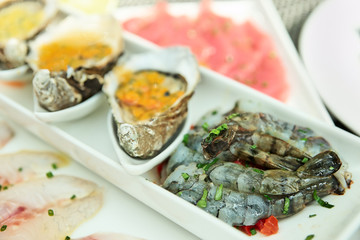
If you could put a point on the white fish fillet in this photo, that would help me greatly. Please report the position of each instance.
(25, 165)
(24, 207)
(108, 236)
(6, 133)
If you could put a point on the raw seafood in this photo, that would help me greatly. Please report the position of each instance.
(52, 209)
(237, 188)
(69, 68)
(25, 165)
(239, 50)
(173, 74)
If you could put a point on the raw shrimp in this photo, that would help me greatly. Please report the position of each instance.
(264, 140)
(24, 165)
(276, 182)
(47, 208)
(6, 133)
(238, 208)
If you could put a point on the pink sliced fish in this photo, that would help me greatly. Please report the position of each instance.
(108, 236)
(47, 208)
(6, 133)
(25, 165)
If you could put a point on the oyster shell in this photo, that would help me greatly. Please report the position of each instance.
(70, 59)
(21, 21)
(144, 137)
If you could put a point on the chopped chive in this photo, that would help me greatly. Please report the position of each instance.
(205, 126)
(214, 112)
(267, 197)
(49, 174)
(258, 170)
(219, 193)
(51, 212)
(20, 169)
(305, 159)
(186, 139)
(202, 202)
(304, 139)
(0, 187)
(331, 168)
(253, 146)
(185, 176)
(67, 238)
(321, 202)
(302, 131)
(215, 132)
(286, 205)
(5, 187)
(207, 166)
(3, 228)
(309, 237)
(54, 166)
(232, 116)
(312, 215)
(73, 197)
(253, 189)
(179, 194)
(253, 231)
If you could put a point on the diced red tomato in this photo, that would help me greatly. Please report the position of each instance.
(268, 226)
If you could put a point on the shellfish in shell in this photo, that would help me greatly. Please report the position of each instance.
(20, 22)
(70, 59)
(148, 94)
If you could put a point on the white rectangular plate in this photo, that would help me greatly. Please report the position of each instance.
(87, 141)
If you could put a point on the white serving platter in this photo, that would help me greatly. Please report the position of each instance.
(87, 141)
(329, 44)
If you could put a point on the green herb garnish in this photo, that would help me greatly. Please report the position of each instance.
(216, 131)
(3, 228)
(186, 139)
(0, 187)
(185, 176)
(253, 146)
(321, 202)
(219, 193)
(67, 238)
(73, 197)
(49, 174)
(304, 139)
(309, 237)
(305, 159)
(5, 188)
(54, 166)
(286, 205)
(253, 231)
(267, 197)
(258, 170)
(232, 116)
(205, 126)
(312, 215)
(179, 194)
(202, 202)
(51, 212)
(302, 131)
(20, 169)
(214, 112)
(331, 168)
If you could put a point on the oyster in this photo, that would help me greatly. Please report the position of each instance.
(70, 59)
(21, 21)
(148, 94)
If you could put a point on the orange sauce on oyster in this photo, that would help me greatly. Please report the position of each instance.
(145, 94)
(18, 20)
(72, 51)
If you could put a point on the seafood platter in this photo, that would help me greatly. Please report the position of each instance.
(216, 157)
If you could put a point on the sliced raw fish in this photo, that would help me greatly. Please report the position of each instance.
(47, 208)
(24, 165)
